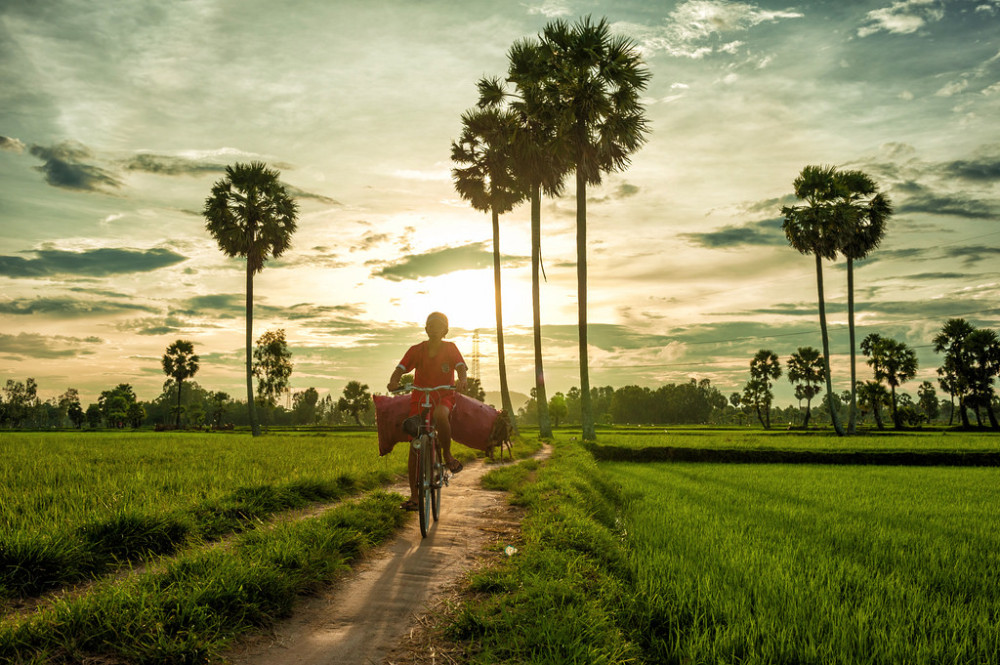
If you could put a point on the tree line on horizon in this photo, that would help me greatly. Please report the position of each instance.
(970, 364)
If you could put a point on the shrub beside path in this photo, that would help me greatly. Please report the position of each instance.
(376, 606)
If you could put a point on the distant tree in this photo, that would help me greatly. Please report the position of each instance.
(76, 414)
(757, 397)
(304, 406)
(893, 362)
(179, 363)
(94, 416)
(558, 409)
(955, 371)
(928, 400)
(115, 405)
(484, 176)
(873, 396)
(22, 400)
(862, 213)
(764, 368)
(355, 400)
(251, 215)
(474, 389)
(134, 415)
(272, 365)
(806, 371)
(218, 408)
(984, 365)
(813, 229)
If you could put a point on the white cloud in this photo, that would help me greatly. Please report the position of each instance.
(550, 8)
(903, 17)
(952, 88)
(11, 144)
(696, 21)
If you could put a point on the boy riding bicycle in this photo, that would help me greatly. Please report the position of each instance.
(435, 363)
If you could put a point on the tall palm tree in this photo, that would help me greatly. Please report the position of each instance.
(812, 229)
(484, 177)
(594, 81)
(179, 363)
(538, 166)
(250, 215)
(984, 355)
(807, 371)
(862, 212)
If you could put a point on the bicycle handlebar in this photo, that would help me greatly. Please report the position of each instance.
(411, 387)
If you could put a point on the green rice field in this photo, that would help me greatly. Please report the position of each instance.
(806, 564)
(74, 505)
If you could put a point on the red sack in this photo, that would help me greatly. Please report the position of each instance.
(390, 412)
(472, 422)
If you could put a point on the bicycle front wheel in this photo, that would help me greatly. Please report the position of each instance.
(437, 482)
(425, 495)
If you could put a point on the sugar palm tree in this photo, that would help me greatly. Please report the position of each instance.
(862, 213)
(984, 355)
(594, 81)
(764, 368)
(484, 177)
(179, 363)
(812, 229)
(807, 371)
(538, 167)
(250, 215)
(952, 341)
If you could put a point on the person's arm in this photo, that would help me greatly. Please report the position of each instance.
(462, 370)
(396, 376)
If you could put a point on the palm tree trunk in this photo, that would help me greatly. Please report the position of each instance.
(826, 347)
(853, 414)
(544, 426)
(178, 422)
(805, 424)
(254, 427)
(895, 410)
(504, 389)
(586, 406)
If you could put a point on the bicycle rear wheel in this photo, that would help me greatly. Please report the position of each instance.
(425, 467)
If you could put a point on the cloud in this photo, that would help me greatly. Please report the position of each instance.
(550, 9)
(64, 167)
(101, 262)
(692, 27)
(171, 165)
(33, 345)
(764, 233)
(903, 17)
(985, 166)
(69, 307)
(441, 261)
(921, 199)
(973, 253)
(11, 144)
(297, 193)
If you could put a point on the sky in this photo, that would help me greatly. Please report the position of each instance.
(117, 116)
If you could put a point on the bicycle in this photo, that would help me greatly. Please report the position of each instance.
(432, 472)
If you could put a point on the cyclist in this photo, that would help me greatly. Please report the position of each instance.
(435, 363)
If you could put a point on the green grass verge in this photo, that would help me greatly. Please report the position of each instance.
(192, 610)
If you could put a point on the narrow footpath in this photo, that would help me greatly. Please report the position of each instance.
(366, 615)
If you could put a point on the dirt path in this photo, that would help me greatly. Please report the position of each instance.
(365, 616)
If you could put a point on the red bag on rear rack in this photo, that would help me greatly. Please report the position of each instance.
(472, 422)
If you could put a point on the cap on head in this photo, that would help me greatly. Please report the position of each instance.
(439, 316)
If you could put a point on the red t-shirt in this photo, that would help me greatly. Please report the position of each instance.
(438, 370)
